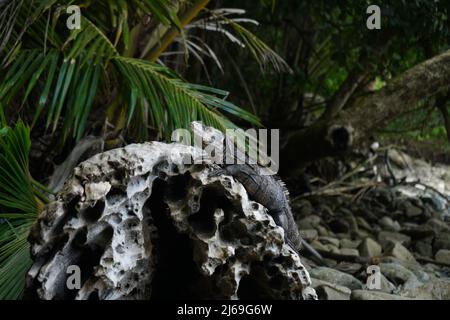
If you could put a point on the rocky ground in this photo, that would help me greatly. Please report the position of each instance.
(404, 232)
(141, 224)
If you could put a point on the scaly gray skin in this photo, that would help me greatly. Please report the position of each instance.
(267, 190)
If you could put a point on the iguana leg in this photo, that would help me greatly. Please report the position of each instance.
(280, 219)
(217, 172)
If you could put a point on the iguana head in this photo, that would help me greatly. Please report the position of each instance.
(207, 136)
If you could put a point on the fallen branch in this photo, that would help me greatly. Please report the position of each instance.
(428, 260)
(347, 258)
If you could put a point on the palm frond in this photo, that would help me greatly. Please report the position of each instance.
(20, 203)
(163, 10)
(222, 21)
(65, 82)
(174, 103)
(66, 79)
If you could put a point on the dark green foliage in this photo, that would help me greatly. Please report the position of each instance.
(20, 201)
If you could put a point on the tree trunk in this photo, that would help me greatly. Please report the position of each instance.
(351, 126)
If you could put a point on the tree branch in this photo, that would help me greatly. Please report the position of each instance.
(352, 126)
(186, 17)
(441, 104)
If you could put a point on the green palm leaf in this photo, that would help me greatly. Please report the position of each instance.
(20, 202)
(174, 103)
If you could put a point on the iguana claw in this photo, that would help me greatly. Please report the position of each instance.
(217, 172)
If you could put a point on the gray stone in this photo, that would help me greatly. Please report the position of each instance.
(396, 250)
(309, 235)
(341, 236)
(339, 225)
(326, 292)
(330, 291)
(309, 222)
(438, 226)
(390, 225)
(109, 214)
(369, 248)
(322, 231)
(424, 249)
(332, 248)
(400, 159)
(396, 272)
(319, 246)
(336, 277)
(412, 211)
(374, 295)
(363, 223)
(348, 267)
(443, 256)
(386, 285)
(442, 241)
(384, 237)
(353, 224)
(303, 207)
(349, 252)
(361, 234)
(329, 240)
(414, 267)
(438, 289)
(418, 232)
(350, 244)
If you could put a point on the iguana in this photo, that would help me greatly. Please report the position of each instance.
(262, 187)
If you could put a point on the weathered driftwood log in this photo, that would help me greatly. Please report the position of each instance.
(139, 223)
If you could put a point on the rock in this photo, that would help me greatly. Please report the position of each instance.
(350, 244)
(362, 234)
(341, 236)
(309, 222)
(414, 267)
(309, 235)
(438, 226)
(319, 246)
(417, 231)
(362, 223)
(140, 224)
(303, 208)
(442, 241)
(436, 201)
(412, 211)
(351, 220)
(374, 295)
(329, 240)
(329, 291)
(326, 210)
(332, 292)
(339, 226)
(443, 256)
(322, 231)
(383, 195)
(396, 273)
(349, 252)
(400, 159)
(332, 248)
(390, 225)
(386, 285)
(336, 277)
(369, 248)
(384, 237)
(424, 249)
(438, 289)
(348, 267)
(396, 250)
